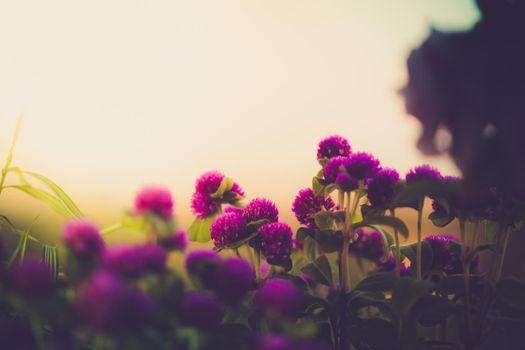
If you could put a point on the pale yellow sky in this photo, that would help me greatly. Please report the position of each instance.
(118, 94)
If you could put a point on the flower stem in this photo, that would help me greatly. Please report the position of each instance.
(9, 159)
(398, 247)
(257, 264)
(466, 275)
(418, 248)
(503, 253)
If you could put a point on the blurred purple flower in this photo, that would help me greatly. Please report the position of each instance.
(202, 264)
(201, 311)
(227, 229)
(381, 187)
(346, 183)
(423, 173)
(156, 200)
(83, 239)
(233, 278)
(368, 245)
(177, 241)
(361, 165)
(31, 280)
(306, 205)
(278, 298)
(333, 146)
(445, 257)
(390, 266)
(134, 261)
(334, 167)
(275, 242)
(260, 209)
(275, 343)
(232, 209)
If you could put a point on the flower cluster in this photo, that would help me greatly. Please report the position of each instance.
(209, 195)
(306, 204)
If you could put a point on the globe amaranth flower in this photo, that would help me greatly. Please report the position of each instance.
(232, 209)
(278, 298)
(83, 239)
(275, 242)
(368, 245)
(261, 209)
(333, 146)
(306, 205)
(381, 187)
(334, 167)
(423, 173)
(346, 183)
(233, 278)
(273, 342)
(227, 229)
(154, 200)
(31, 280)
(389, 265)
(445, 257)
(361, 165)
(204, 203)
(177, 241)
(135, 261)
(201, 311)
(106, 303)
(201, 264)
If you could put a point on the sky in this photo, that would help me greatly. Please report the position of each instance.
(119, 94)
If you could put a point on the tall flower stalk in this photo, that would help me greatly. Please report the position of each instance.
(419, 238)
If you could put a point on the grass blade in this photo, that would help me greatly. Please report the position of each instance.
(44, 196)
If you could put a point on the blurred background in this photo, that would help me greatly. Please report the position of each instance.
(121, 94)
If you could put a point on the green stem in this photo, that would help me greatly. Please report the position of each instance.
(9, 159)
(418, 248)
(398, 247)
(466, 276)
(258, 264)
(503, 253)
(110, 229)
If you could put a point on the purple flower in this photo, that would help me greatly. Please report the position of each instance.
(199, 310)
(361, 165)
(275, 242)
(227, 229)
(31, 280)
(153, 257)
(382, 186)
(203, 202)
(423, 173)
(445, 258)
(306, 205)
(278, 298)
(334, 167)
(156, 200)
(135, 261)
(275, 343)
(232, 209)
(177, 241)
(106, 303)
(261, 209)
(390, 266)
(346, 183)
(233, 279)
(368, 245)
(201, 264)
(83, 239)
(333, 146)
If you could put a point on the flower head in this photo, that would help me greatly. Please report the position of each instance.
(177, 241)
(106, 302)
(83, 239)
(232, 209)
(346, 183)
(201, 264)
(260, 209)
(201, 311)
(390, 266)
(445, 258)
(381, 187)
(334, 167)
(31, 280)
(275, 343)
(227, 228)
(333, 146)
(278, 298)
(368, 245)
(361, 165)
(423, 173)
(155, 200)
(275, 242)
(233, 278)
(135, 261)
(306, 205)
(205, 202)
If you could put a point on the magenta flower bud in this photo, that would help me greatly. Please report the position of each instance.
(83, 239)
(334, 167)
(346, 183)
(390, 266)
(306, 205)
(278, 298)
(333, 146)
(275, 242)
(232, 209)
(445, 258)
(261, 209)
(203, 204)
(423, 173)
(105, 303)
(232, 280)
(199, 310)
(382, 186)
(135, 261)
(275, 343)
(177, 241)
(361, 165)
(154, 200)
(227, 229)
(201, 264)
(153, 257)
(31, 280)
(368, 245)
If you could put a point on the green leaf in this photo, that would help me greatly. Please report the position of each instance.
(329, 189)
(377, 282)
(21, 247)
(406, 293)
(9, 159)
(241, 242)
(50, 258)
(329, 241)
(432, 310)
(480, 248)
(390, 221)
(326, 219)
(319, 270)
(4, 220)
(46, 197)
(427, 256)
(226, 185)
(455, 284)
(410, 195)
(254, 225)
(303, 232)
(199, 230)
(318, 186)
(370, 211)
